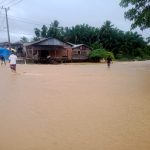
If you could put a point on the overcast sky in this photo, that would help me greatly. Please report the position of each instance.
(25, 15)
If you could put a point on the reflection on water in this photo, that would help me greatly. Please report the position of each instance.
(75, 107)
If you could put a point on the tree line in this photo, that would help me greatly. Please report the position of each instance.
(124, 45)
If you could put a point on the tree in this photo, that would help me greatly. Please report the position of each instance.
(44, 31)
(106, 35)
(24, 39)
(81, 34)
(148, 40)
(96, 45)
(139, 12)
(54, 30)
(37, 33)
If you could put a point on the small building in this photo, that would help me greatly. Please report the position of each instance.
(17, 47)
(80, 52)
(4, 44)
(48, 49)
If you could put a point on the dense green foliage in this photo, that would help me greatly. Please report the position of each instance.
(139, 12)
(124, 45)
(98, 54)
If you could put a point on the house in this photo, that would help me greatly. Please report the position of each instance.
(4, 44)
(18, 47)
(80, 52)
(48, 49)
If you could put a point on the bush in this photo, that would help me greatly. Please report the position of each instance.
(98, 54)
(119, 56)
(138, 58)
(124, 59)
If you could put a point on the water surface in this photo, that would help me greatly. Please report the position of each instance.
(75, 107)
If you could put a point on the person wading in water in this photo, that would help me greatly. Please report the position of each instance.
(12, 61)
(2, 58)
(109, 61)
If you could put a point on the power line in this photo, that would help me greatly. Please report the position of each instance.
(16, 3)
(9, 2)
(18, 33)
(25, 20)
(2, 22)
(22, 33)
(37, 22)
(28, 22)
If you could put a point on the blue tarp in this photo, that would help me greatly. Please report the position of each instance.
(5, 52)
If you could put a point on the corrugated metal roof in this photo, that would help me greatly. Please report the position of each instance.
(47, 41)
(79, 45)
(36, 42)
(70, 43)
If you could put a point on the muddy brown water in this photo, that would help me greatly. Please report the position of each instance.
(75, 107)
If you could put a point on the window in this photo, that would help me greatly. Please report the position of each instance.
(79, 52)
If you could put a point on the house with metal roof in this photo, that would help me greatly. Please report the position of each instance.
(47, 50)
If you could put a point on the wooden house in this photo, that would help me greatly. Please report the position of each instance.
(80, 52)
(46, 48)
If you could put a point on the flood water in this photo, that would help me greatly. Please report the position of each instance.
(75, 107)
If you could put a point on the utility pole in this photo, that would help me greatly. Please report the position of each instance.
(6, 9)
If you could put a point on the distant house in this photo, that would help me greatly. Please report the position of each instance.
(18, 47)
(80, 52)
(4, 44)
(48, 48)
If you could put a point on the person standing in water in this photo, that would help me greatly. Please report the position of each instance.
(12, 61)
(109, 61)
(2, 58)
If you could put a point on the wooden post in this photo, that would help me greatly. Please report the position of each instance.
(32, 53)
(67, 53)
(38, 53)
(25, 49)
(55, 53)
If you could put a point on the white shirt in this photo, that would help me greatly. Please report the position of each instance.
(12, 59)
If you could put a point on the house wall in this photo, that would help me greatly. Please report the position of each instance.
(57, 52)
(80, 53)
(67, 52)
